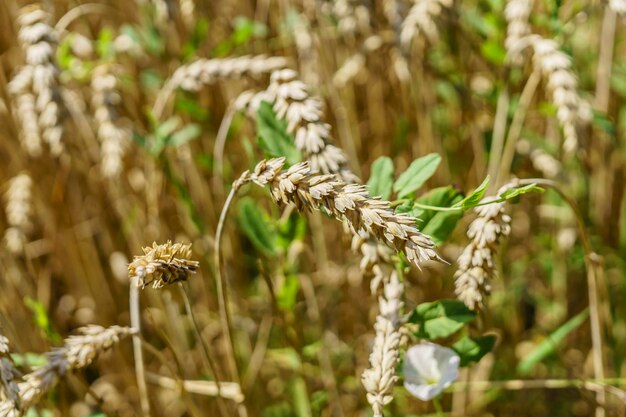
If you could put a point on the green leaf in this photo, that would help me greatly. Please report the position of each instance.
(474, 198)
(254, 224)
(288, 293)
(441, 318)
(184, 135)
(417, 174)
(41, 318)
(549, 345)
(514, 192)
(442, 224)
(29, 359)
(273, 136)
(472, 350)
(381, 178)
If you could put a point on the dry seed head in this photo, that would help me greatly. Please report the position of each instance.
(78, 352)
(163, 265)
(308, 190)
(18, 212)
(380, 378)
(193, 76)
(113, 138)
(476, 263)
(517, 13)
(421, 21)
(35, 87)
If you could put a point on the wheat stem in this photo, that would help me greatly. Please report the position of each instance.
(135, 322)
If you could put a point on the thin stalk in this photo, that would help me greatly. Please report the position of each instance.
(516, 128)
(218, 148)
(205, 349)
(499, 131)
(592, 261)
(605, 60)
(135, 322)
(220, 284)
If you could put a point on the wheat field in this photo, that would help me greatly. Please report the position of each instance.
(312, 208)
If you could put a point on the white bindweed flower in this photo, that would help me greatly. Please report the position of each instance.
(429, 369)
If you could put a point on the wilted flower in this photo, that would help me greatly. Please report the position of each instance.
(429, 369)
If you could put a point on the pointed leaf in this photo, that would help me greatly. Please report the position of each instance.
(416, 175)
(381, 178)
(273, 136)
(441, 318)
(474, 198)
(472, 350)
(254, 224)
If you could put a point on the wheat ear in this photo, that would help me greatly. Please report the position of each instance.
(193, 76)
(78, 352)
(307, 190)
(380, 377)
(113, 138)
(18, 198)
(35, 87)
(476, 264)
(8, 374)
(421, 21)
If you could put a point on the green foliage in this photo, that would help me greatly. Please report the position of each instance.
(473, 349)
(442, 224)
(197, 37)
(381, 178)
(244, 31)
(440, 318)
(548, 346)
(166, 134)
(254, 223)
(474, 198)
(416, 174)
(517, 191)
(273, 136)
(41, 318)
(29, 359)
(287, 294)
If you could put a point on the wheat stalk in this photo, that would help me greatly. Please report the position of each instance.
(18, 209)
(380, 377)
(78, 352)
(35, 87)
(303, 187)
(476, 263)
(113, 138)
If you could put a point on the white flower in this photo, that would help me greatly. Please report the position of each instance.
(429, 369)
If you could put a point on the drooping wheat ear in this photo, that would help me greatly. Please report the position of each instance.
(113, 138)
(476, 263)
(35, 88)
(8, 374)
(193, 76)
(162, 265)
(618, 6)
(556, 68)
(18, 198)
(517, 14)
(78, 352)
(421, 21)
(292, 102)
(380, 377)
(307, 190)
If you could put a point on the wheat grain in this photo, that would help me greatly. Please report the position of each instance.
(35, 87)
(618, 6)
(162, 265)
(375, 259)
(78, 352)
(307, 190)
(380, 378)
(420, 21)
(18, 211)
(113, 138)
(476, 263)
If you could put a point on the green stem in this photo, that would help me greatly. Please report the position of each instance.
(438, 407)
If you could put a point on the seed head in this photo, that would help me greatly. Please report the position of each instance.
(162, 265)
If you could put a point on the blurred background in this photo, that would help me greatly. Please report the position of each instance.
(90, 198)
